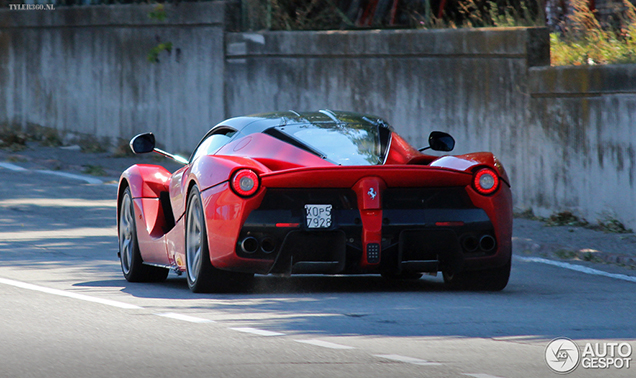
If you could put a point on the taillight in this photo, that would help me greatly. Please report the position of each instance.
(245, 182)
(486, 181)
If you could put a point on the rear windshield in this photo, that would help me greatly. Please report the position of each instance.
(343, 144)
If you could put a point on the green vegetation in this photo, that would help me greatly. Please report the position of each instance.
(122, 150)
(565, 218)
(612, 225)
(12, 139)
(606, 224)
(584, 41)
(581, 39)
(158, 13)
(327, 15)
(153, 54)
(565, 254)
(47, 136)
(94, 170)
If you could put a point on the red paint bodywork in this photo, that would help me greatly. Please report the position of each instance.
(281, 165)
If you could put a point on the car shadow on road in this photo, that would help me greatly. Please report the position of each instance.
(176, 287)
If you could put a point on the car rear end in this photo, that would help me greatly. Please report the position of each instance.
(377, 219)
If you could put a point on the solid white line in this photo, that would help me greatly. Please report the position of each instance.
(255, 331)
(58, 202)
(12, 167)
(480, 375)
(324, 344)
(410, 360)
(62, 293)
(88, 180)
(187, 318)
(58, 234)
(579, 268)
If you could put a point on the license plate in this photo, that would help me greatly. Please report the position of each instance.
(318, 216)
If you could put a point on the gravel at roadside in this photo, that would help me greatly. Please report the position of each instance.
(580, 245)
(102, 165)
(574, 244)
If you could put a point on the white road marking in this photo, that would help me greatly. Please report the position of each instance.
(89, 180)
(57, 202)
(410, 360)
(86, 179)
(480, 375)
(579, 268)
(256, 331)
(187, 318)
(324, 344)
(12, 167)
(62, 293)
(72, 233)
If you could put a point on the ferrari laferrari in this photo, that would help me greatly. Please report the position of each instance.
(321, 192)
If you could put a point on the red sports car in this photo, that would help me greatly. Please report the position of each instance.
(318, 192)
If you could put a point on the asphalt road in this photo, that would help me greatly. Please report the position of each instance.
(68, 312)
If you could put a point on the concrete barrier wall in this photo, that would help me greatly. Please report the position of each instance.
(581, 142)
(462, 81)
(84, 70)
(564, 134)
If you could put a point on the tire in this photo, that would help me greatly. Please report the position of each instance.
(494, 279)
(202, 276)
(132, 264)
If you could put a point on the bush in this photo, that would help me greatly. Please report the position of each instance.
(583, 41)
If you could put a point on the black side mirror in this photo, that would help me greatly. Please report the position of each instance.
(142, 143)
(440, 141)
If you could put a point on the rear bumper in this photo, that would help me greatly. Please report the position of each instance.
(412, 240)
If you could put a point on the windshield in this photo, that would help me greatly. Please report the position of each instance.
(344, 144)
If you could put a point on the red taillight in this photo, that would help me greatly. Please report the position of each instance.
(486, 181)
(245, 182)
(287, 225)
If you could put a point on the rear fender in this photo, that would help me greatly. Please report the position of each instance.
(145, 181)
(498, 207)
(212, 170)
(149, 187)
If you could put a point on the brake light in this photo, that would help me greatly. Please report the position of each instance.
(245, 182)
(486, 181)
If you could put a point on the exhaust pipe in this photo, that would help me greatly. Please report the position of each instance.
(268, 245)
(249, 244)
(487, 243)
(470, 243)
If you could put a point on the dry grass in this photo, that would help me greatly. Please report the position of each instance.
(584, 41)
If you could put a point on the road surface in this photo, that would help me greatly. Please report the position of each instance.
(68, 312)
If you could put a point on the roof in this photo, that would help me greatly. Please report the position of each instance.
(260, 122)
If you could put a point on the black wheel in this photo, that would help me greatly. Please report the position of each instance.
(130, 258)
(202, 276)
(494, 279)
(407, 276)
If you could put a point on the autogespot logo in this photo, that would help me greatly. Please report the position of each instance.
(563, 355)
